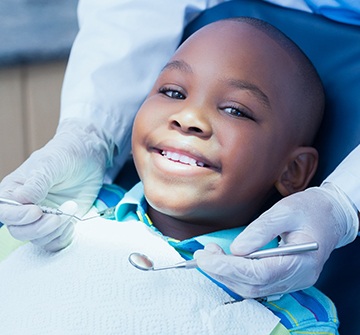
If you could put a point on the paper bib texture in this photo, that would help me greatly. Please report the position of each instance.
(91, 288)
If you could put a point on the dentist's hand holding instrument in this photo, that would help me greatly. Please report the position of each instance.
(298, 218)
(69, 167)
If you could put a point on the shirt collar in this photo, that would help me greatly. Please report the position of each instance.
(134, 206)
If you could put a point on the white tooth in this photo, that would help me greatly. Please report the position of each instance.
(192, 162)
(184, 159)
(175, 156)
(181, 158)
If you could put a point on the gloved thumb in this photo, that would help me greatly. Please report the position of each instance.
(69, 207)
(261, 231)
(26, 189)
(209, 250)
(34, 190)
(60, 232)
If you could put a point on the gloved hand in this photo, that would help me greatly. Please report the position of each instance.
(71, 166)
(323, 214)
(52, 232)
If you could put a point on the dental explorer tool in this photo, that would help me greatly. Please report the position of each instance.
(46, 210)
(108, 213)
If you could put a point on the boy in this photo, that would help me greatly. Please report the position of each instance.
(228, 123)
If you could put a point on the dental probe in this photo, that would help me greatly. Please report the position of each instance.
(45, 210)
(108, 213)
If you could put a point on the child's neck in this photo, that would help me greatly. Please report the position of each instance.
(175, 228)
(180, 229)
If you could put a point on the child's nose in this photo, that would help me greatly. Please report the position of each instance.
(191, 121)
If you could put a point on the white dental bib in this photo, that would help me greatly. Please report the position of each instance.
(91, 288)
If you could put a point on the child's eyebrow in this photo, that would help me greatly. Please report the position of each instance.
(178, 65)
(236, 83)
(244, 85)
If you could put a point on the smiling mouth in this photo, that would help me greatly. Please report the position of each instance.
(181, 158)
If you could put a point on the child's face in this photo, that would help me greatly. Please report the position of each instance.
(214, 133)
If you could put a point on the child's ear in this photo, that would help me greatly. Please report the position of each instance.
(298, 171)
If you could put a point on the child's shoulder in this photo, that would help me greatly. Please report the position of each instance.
(306, 310)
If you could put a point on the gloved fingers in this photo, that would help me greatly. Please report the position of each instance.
(263, 230)
(55, 240)
(311, 215)
(27, 184)
(69, 207)
(252, 278)
(212, 249)
(10, 182)
(33, 190)
(296, 237)
(19, 215)
(209, 250)
(60, 237)
(25, 229)
(38, 229)
(85, 195)
(228, 266)
(223, 270)
(62, 241)
(71, 165)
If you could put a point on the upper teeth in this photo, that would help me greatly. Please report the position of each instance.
(174, 156)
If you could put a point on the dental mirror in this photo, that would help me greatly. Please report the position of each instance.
(143, 262)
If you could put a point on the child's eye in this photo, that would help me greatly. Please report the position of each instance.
(172, 93)
(237, 112)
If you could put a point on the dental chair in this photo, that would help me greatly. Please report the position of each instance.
(334, 49)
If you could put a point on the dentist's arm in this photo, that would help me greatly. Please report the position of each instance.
(327, 214)
(119, 51)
